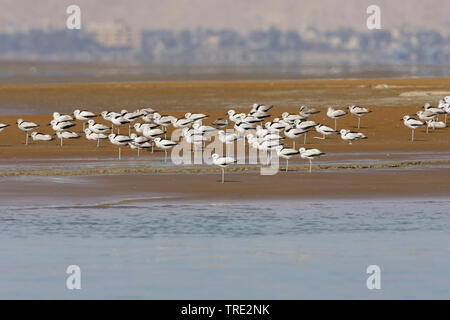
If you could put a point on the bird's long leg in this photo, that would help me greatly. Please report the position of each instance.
(26, 139)
(359, 122)
(118, 130)
(112, 128)
(445, 118)
(412, 135)
(61, 142)
(310, 165)
(119, 154)
(304, 138)
(129, 130)
(427, 127)
(138, 151)
(84, 125)
(323, 136)
(293, 144)
(287, 165)
(165, 155)
(223, 175)
(335, 124)
(98, 142)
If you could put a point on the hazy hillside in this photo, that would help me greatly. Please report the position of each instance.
(237, 14)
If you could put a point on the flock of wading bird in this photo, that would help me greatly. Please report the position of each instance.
(150, 127)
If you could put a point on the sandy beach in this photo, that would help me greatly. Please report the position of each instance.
(386, 164)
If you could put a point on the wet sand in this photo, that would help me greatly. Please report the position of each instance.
(390, 159)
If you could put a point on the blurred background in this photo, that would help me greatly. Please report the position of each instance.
(221, 40)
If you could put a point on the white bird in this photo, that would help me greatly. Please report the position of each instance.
(163, 120)
(259, 114)
(436, 124)
(66, 135)
(90, 135)
(305, 125)
(243, 127)
(118, 120)
(412, 124)
(3, 126)
(165, 145)
(146, 111)
(61, 117)
(426, 115)
(350, 136)
(97, 127)
(195, 116)
(445, 106)
(233, 116)
(119, 141)
(182, 122)
(130, 117)
(429, 107)
(139, 142)
(306, 111)
(61, 126)
(83, 115)
(335, 114)
(140, 127)
(202, 129)
(310, 154)
(274, 127)
(222, 162)
(324, 131)
(293, 134)
(286, 153)
(359, 112)
(261, 107)
(152, 133)
(37, 136)
(291, 117)
(26, 126)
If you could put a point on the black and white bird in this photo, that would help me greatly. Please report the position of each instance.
(119, 141)
(83, 115)
(261, 107)
(306, 111)
(37, 136)
(3, 126)
(293, 134)
(348, 135)
(286, 153)
(66, 135)
(139, 142)
(291, 117)
(220, 123)
(275, 127)
(324, 131)
(310, 154)
(90, 135)
(165, 145)
(163, 120)
(97, 127)
(182, 123)
(118, 121)
(140, 127)
(233, 116)
(359, 112)
(60, 126)
(426, 115)
(433, 124)
(243, 128)
(62, 117)
(26, 126)
(222, 162)
(412, 124)
(195, 116)
(335, 114)
(305, 125)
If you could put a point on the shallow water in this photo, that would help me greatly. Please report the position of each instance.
(227, 249)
